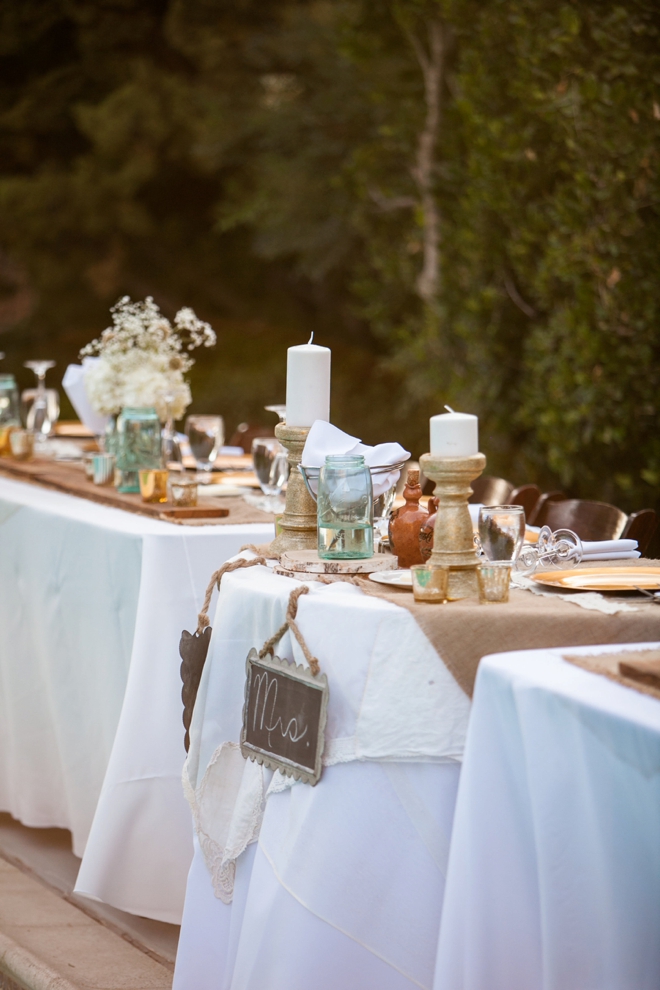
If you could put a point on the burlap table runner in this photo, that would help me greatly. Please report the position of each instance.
(638, 669)
(463, 632)
(70, 478)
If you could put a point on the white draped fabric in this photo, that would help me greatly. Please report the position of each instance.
(554, 870)
(92, 604)
(344, 887)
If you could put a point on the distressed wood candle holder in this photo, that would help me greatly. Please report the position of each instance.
(453, 536)
(298, 523)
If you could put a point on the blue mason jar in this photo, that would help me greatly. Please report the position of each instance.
(138, 445)
(345, 509)
(9, 411)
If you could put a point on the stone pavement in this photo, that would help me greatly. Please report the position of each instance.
(46, 943)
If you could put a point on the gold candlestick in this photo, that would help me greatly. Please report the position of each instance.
(453, 536)
(299, 520)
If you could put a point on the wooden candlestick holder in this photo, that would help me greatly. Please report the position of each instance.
(298, 523)
(453, 535)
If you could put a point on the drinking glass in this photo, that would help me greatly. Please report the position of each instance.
(39, 417)
(501, 531)
(271, 466)
(171, 449)
(206, 435)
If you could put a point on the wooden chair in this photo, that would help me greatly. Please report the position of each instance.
(641, 526)
(539, 508)
(491, 491)
(527, 496)
(590, 520)
(245, 433)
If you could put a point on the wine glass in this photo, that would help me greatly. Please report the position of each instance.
(501, 531)
(270, 464)
(170, 445)
(206, 435)
(279, 410)
(40, 417)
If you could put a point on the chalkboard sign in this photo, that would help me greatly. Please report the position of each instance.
(284, 716)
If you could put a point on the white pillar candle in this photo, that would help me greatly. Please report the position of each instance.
(454, 434)
(307, 384)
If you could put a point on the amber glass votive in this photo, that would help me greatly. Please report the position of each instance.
(153, 485)
(429, 583)
(22, 444)
(182, 490)
(494, 577)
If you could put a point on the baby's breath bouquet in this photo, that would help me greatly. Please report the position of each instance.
(142, 358)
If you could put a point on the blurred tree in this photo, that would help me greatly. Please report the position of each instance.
(461, 197)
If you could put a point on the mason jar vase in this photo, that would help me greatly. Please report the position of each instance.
(345, 509)
(138, 446)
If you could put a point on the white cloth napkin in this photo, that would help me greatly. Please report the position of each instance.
(610, 550)
(73, 384)
(325, 440)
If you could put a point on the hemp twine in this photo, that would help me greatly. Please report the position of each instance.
(289, 623)
(232, 565)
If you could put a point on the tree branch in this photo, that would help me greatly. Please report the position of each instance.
(516, 298)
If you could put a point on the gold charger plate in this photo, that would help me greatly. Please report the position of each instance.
(602, 578)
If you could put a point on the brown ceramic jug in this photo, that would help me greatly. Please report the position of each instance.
(426, 532)
(405, 524)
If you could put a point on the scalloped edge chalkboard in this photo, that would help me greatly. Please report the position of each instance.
(297, 694)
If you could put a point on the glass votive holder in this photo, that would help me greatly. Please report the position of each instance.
(153, 484)
(22, 444)
(88, 463)
(103, 468)
(429, 583)
(493, 577)
(182, 490)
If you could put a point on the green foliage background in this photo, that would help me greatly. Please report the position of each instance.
(256, 159)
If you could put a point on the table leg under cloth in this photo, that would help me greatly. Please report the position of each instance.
(343, 890)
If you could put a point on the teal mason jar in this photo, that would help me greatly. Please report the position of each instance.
(345, 509)
(137, 445)
(9, 410)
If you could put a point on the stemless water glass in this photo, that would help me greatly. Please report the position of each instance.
(501, 531)
(345, 509)
(206, 435)
(271, 465)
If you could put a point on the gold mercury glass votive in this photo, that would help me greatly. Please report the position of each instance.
(429, 583)
(182, 491)
(22, 444)
(494, 577)
(153, 485)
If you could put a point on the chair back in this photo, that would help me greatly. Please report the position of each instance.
(539, 509)
(641, 526)
(590, 520)
(491, 491)
(527, 496)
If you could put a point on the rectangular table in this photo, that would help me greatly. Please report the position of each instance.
(554, 869)
(92, 604)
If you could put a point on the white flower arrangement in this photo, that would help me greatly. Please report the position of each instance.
(142, 358)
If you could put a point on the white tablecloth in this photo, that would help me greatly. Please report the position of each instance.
(554, 870)
(344, 888)
(92, 604)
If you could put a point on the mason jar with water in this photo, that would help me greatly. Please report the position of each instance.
(345, 509)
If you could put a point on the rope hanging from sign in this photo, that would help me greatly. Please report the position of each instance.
(232, 565)
(290, 623)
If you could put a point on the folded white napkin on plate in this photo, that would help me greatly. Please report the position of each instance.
(73, 384)
(325, 440)
(610, 550)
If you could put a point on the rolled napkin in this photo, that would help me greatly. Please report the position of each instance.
(324, 440)
(610, 550)
(73, 384)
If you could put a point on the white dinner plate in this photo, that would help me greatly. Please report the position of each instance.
(397, 579)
